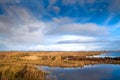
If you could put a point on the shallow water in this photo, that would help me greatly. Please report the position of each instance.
(108, 54)
(91, 72)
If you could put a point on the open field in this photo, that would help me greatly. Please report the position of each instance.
(44, 58)
(21, 65)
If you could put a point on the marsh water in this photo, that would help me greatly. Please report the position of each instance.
(108, 54)
(90, 72)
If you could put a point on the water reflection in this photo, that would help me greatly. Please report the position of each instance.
(108, 54)
(95, 72)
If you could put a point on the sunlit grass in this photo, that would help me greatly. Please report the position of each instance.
(20, 72)
(21, 65)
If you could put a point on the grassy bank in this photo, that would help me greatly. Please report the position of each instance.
(20, 72)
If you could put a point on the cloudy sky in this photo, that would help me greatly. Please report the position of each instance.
(60, 25)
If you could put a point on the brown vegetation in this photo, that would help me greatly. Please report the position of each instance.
(21, 65)
(20, 72)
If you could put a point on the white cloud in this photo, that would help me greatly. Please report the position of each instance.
(65, 47)
(21, 27)
(87, 29)
(62, 20)
(75, 39)
(29, 33)
(26, 30)
(22, 31)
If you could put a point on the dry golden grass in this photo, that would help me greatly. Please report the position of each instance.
(21, 65)
(20, 72)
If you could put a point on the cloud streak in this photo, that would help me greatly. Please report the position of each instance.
(88, 29)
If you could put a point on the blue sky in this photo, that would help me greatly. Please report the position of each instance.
(59, 25)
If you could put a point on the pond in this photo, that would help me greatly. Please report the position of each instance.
(107, 54)
(90, 72)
